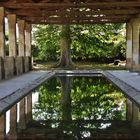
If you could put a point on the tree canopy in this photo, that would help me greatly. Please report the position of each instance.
(87, 41)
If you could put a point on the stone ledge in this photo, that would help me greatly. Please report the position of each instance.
(126, 88)
(13, 97)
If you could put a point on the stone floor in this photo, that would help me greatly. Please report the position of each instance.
(14, 89)
(128, 82)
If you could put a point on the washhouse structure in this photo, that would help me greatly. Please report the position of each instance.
(16, 57)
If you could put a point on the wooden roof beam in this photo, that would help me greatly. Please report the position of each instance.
(72, 20)
(80, 22)
(68, 5)
(48, 13)
(79, 18)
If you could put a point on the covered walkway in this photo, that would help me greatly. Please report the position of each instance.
(16, 59)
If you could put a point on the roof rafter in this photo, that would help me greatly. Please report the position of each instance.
(39, 13)
(73, 11)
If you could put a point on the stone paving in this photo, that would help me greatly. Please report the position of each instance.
(16, 88)
(128, 82)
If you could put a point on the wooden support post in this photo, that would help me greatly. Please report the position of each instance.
(128, 46)
(135, 42)
(2, 32)
(2, 127)
(12, 35)
(13, 123)
(21, 27)
(29, 108)
(22, 119)
(128, 110)
(28, 29)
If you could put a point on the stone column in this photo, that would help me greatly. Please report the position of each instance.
(2, 41)
(21, 27)
(29, 108)
(22, 119)
(12, 35)
(128, 46)
(2, 32)
(128, 110)
(28, 29)
(28, 58)
(135, 43)
(2, 127)
(13, 123)
(135, 116)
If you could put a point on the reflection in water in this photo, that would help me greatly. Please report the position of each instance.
(90, 98)
(76, 108)
(65, 98)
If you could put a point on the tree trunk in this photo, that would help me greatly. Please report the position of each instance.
(65, 58)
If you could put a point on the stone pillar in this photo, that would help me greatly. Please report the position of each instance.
(2, 32)
(128, 110)
(135, 43)
(13, 123)
(22, 119)
(128, 46)
(28, 49)
(28, 29)
(2, 127)
(2, 41)
(21, 27)
(135, 116)
(12, 35)
(29, 108)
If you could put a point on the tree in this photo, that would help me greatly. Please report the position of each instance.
(65, 57)
(78, 42)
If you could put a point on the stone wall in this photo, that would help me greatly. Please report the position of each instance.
(9, 67)
(19, 65)
(12, 66)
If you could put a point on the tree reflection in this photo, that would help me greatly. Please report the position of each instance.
(77, 99)
(66, 97)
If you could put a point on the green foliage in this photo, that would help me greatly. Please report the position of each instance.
(96, 41)
(46, 42)
(87, 41)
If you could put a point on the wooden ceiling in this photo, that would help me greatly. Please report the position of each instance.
(73, 11)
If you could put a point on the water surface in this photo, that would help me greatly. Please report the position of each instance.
(76, 108)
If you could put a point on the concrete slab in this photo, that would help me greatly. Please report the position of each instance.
(128, 82)
(16, 88)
